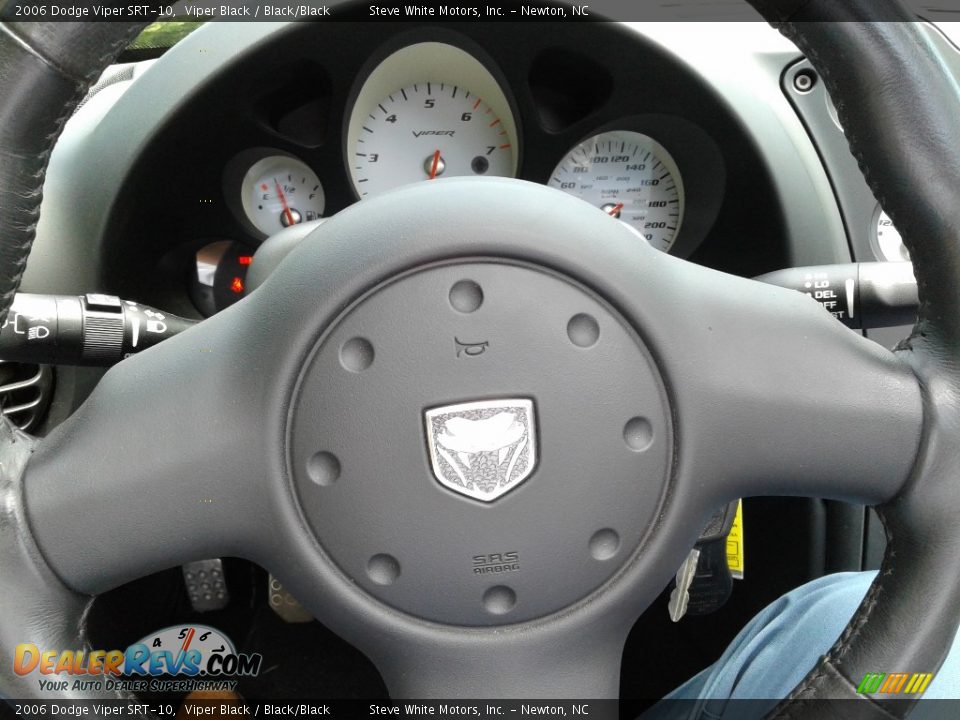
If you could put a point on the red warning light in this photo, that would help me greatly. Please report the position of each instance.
(237, 285)
(245, 259)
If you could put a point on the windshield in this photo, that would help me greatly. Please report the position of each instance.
(157, 38)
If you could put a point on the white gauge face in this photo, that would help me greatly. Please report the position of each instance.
(888, 240)
(429, 131)
(280, 191)
(630, 176)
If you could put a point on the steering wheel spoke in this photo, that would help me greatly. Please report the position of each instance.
(775, 397)
(154, 469)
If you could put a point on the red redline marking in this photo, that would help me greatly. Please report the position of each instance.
(505, 146)
(476, 104)
(494, 122)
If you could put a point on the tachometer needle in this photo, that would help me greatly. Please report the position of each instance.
(436, 163)
(283, 201)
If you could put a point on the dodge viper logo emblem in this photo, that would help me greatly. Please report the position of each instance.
(482, 449)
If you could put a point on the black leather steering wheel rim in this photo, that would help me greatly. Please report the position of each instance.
(899, 89)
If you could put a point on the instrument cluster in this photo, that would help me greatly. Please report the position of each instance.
(432, 110)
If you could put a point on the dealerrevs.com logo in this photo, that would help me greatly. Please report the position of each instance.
(177, 658)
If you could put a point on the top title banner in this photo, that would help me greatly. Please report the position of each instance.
(488, 10)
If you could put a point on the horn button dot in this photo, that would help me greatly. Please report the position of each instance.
(466, 296)
(356, 354)
(499, 600)
(638, 434)
(383, 569)
(323, 468)
(604, 544)
(485, 453)
(583, 330)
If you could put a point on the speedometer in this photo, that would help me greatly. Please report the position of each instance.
(426, 131)
(629, 176)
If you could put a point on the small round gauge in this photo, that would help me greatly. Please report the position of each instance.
(426, 131)
(279, 191)
(887, 240)
(630, 176)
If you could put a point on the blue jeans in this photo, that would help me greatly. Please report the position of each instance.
(776, 649)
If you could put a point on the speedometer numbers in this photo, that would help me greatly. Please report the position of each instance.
(629, 176)
(428, 131)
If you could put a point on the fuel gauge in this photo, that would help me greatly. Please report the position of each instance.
(280, 191)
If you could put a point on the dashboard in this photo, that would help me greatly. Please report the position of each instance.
(313, 118)
(714, 143)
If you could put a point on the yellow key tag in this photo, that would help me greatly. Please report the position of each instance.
(735, 544)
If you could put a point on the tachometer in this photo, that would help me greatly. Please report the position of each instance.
(630, 176)
(426, 131)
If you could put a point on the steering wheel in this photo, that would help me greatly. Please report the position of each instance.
(471, 373)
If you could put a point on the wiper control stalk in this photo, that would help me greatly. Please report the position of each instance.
(860, 295)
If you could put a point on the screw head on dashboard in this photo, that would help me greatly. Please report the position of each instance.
(804, 81)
